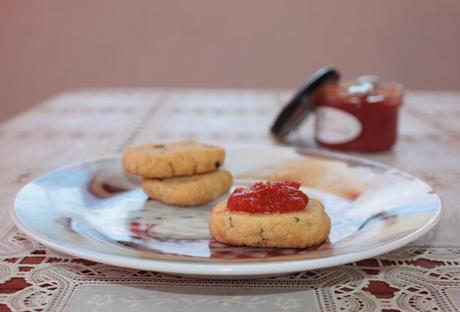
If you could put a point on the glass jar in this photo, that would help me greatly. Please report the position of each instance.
(358, 115)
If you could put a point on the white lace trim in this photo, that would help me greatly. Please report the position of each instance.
(415, 279)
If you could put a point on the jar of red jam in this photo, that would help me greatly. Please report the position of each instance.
(357, 115)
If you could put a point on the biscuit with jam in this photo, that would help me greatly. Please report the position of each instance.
(192, 190)
(299, 229)
(172, 159)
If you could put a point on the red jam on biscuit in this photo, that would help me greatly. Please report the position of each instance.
(268, 197)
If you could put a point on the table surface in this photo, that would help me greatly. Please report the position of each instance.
(82, 125)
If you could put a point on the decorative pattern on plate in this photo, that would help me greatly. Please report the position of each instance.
(96, 210)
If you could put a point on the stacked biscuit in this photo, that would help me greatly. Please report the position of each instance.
(183, 173)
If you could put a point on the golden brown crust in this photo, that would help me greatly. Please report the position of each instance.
(172, 159)
(191, 190)
(301, 229)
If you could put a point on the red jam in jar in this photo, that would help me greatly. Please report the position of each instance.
(360, 115)
(268, 197)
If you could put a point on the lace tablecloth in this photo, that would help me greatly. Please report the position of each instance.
(424, 276)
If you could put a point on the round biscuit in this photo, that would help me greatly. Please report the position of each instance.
(191, 190)
(172, 159)
(299, 229)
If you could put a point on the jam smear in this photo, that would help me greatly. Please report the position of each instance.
(268, 197)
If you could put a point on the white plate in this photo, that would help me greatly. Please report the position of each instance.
(93, 210)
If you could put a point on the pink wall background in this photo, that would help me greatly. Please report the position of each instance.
(48, 47)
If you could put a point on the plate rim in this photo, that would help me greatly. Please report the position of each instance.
(228, 269)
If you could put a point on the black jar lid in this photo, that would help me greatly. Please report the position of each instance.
(301, 104)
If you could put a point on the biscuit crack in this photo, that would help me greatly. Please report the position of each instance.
(173, 171)
(261, 234)
(195, 166)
